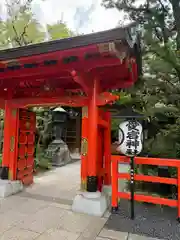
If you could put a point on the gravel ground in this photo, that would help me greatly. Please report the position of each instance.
(150, 220)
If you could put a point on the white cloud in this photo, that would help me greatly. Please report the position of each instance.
(99, 19)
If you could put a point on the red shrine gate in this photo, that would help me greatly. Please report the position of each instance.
(77, 72)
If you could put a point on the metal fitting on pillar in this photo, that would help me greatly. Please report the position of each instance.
(114, 210)
(92, 183)
(4, 173)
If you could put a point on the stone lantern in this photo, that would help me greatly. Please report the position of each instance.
(58, 151)
(59, 120)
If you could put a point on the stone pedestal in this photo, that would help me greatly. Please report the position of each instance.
(75, 156)
(8, 188)
(107, 190)
(59, 153)
(94, 204)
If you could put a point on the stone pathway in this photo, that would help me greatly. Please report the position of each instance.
(59, 184)
(43, 211)
(24, 218)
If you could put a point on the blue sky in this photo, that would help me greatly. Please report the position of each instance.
(83, 16)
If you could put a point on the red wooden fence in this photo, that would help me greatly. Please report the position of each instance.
(138, 177)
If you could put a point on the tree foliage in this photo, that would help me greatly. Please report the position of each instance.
(157, 94)
(20, 28)
(59, 30)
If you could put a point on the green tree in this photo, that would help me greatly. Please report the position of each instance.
(157, 93)
(21, 28)
(59, 30)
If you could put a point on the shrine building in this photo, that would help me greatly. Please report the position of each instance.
(78, 72)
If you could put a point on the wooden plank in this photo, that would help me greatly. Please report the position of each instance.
(149, 199)
(145, 178)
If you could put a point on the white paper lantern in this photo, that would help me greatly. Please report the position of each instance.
(130, 138)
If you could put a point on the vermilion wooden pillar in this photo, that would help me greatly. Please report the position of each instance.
(100, 158)
(84, 148)
(10, 139)
(107, 149)
(92, 179)
(7, 130)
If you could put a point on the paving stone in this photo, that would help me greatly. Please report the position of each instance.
(100, 238)
(34, 214)
(10, 219)
(138, 237)
(107, 214)
(55, 234)
(31, 206)
(49, 199)
(5, 224)
(43, 220)
(115, 235)
(18, 234)
(74, 222)
(93, 229)
(62, 206)
(54, 184)
(10, 203)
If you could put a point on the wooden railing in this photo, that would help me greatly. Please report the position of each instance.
(139, 177)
